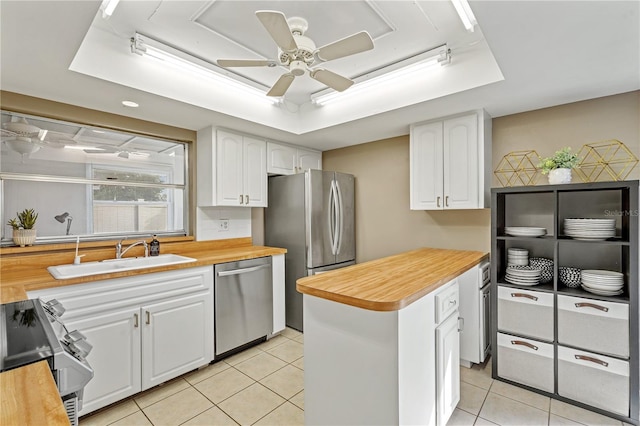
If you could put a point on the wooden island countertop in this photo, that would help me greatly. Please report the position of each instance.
(393, 282)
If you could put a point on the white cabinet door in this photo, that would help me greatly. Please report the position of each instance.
(115, 357)
(447, 368)
(308, 159)
(177, 337)
(281, 159)
(461, 162)
(449, 163)
(426, 184)
(229, 169)
(254, 179)
(241, 170)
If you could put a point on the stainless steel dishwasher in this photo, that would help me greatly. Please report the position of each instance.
(243, 298)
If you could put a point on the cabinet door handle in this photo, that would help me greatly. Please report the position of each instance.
(135, 320)
(148, 317)
(592, 359)
(438, 202)
(240, 198)
(592, 305)
(446, 201)
(523, 343)
(460, 323)
(528, 296)
(246, 199)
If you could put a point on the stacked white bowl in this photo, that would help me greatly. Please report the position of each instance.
(602, 282)
(590, 229)
(517, 256)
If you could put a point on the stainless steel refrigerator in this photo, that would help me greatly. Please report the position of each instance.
(312, 215)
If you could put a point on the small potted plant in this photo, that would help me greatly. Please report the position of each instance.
(24, 233)
(559, 166)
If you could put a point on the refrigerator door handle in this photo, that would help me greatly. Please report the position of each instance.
(340, 216)
(332, 217)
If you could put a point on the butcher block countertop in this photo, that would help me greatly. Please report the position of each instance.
(391, 283)
(30, 397)
(19, 274)
(29, 394)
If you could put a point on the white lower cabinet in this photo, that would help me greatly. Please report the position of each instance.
(175, 339)
(447, 368)
(115, 357)
(145, 329)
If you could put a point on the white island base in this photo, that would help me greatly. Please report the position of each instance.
(366, 367)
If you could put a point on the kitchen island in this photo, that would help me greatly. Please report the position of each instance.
(381, 339)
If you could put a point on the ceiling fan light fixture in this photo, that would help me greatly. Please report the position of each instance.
(466, 14)
(148, 47)
(22, 145)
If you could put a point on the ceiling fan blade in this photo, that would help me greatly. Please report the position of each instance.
(356, 43)
(230, 63)
(276, 24)
(281, 86)
(331, 79)
(102, 149)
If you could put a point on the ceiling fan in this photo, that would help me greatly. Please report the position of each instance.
(299, 53)
(25, 138)
(123, 150)
(108, 149)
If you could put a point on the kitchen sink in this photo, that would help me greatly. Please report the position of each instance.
(63, 272)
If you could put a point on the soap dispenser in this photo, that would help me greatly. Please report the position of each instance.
(154, 247)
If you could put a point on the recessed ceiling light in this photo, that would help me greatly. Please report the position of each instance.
(130, 104)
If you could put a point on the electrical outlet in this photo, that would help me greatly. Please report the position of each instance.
(223, 225)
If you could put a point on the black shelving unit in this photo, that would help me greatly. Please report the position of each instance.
(547, 206)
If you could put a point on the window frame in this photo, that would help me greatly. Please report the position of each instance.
(88, 182)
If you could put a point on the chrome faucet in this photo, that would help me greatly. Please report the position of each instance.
(120, 252)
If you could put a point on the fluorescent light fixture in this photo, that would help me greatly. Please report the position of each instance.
(130, 104)
(145, 46)
(108, 7)
(42, 134)
(428, 61)
(466, 14)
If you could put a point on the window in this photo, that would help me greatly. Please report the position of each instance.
(90, 182)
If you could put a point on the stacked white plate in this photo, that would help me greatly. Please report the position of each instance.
(590, 229)
(602, 282)
(517, 256)
(522, 275)
(525, 231)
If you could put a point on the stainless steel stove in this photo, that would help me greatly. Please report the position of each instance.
(32, 331)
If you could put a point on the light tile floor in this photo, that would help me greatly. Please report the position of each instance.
(263, 385)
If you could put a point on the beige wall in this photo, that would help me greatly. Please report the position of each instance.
(384, 223)
(550, 129)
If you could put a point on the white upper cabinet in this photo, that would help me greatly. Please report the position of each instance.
(450, 163)
(287, 160)
(231, 169)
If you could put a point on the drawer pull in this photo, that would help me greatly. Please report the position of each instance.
(148, 318)
(523, 343)
(438, 202)
(135, 320)
(592, 305)
(592, 359)
(528, 296)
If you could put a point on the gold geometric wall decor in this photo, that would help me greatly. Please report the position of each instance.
(605, 161)
(518, 168)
